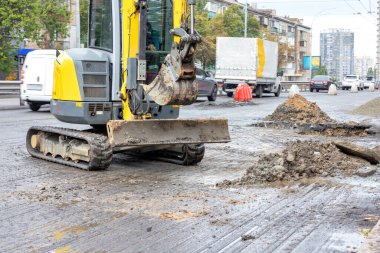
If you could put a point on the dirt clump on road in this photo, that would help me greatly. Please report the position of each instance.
(182, 215)
(300, 159)
(372, 108)
(298, 109)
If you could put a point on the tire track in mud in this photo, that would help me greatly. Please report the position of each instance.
(184, 242)
(288, 226)
(106, 233)
(233, 237)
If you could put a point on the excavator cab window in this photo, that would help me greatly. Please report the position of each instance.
(101, 32)
(159, 39)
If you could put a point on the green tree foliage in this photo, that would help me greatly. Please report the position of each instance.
(42, 21)
(285, 52)
(229, 24)
(84, 22)
(55, 18)
(19, 19)
(233, 20)
(370, 72)
(321, 71)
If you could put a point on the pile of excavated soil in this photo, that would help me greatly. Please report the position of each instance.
(300, 160)
(372, 108)
(298, 109)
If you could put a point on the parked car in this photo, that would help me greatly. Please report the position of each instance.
(207, 86)
(37, 78)
(351, 79)
(367, 81)
(377, 85)
(320, 82)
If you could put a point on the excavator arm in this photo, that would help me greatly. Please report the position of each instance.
(174, 83)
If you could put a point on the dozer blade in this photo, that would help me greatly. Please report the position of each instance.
(165, 89)
(124, 134)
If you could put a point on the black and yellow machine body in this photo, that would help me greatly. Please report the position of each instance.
(128, 85)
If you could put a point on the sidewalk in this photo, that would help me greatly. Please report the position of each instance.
(10, 103)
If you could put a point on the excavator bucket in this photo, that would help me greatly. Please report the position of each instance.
(165, 89)
(139, 133)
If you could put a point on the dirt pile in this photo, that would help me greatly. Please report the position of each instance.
(298, 109)
(300, 160)
(372, 108)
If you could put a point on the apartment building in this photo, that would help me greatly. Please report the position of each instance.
(362, 64)
(337, 52)
(291, 31)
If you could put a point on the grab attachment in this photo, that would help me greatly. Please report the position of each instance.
(175, 83)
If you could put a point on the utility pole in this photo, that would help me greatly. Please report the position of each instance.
(245, 18)
(77, 19)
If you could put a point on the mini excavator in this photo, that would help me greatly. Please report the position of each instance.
(128, 84)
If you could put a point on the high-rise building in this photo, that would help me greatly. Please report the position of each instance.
(362, 64)
(337, 52)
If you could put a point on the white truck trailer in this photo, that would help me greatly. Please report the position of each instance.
(247, 60)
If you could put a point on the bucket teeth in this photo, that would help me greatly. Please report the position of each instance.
(167, 90)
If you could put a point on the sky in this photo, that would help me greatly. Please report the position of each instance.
(359, 16)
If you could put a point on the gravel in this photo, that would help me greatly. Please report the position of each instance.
(371, 108)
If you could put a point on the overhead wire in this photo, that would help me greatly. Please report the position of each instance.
(358, 12)
(301, 1)
(365, 8)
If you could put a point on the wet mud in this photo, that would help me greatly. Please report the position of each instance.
(308, 118)
(298, 109)
(302, 159)
(324, 129)
(148, 206)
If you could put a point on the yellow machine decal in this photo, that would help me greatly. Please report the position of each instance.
(66, 86)
(261, 57)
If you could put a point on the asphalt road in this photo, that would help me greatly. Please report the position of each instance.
(150, 206)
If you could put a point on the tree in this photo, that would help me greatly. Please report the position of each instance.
(321, 71)
(285, 52)
(83, 22)
(229, 24)
(233, 20)
(370, 72)
(200, 5)
(55, 17)
(41, 21)
(19, 19)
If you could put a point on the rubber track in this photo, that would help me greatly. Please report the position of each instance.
(191, 155)
(100, 152)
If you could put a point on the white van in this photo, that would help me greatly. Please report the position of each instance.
(37, 78)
